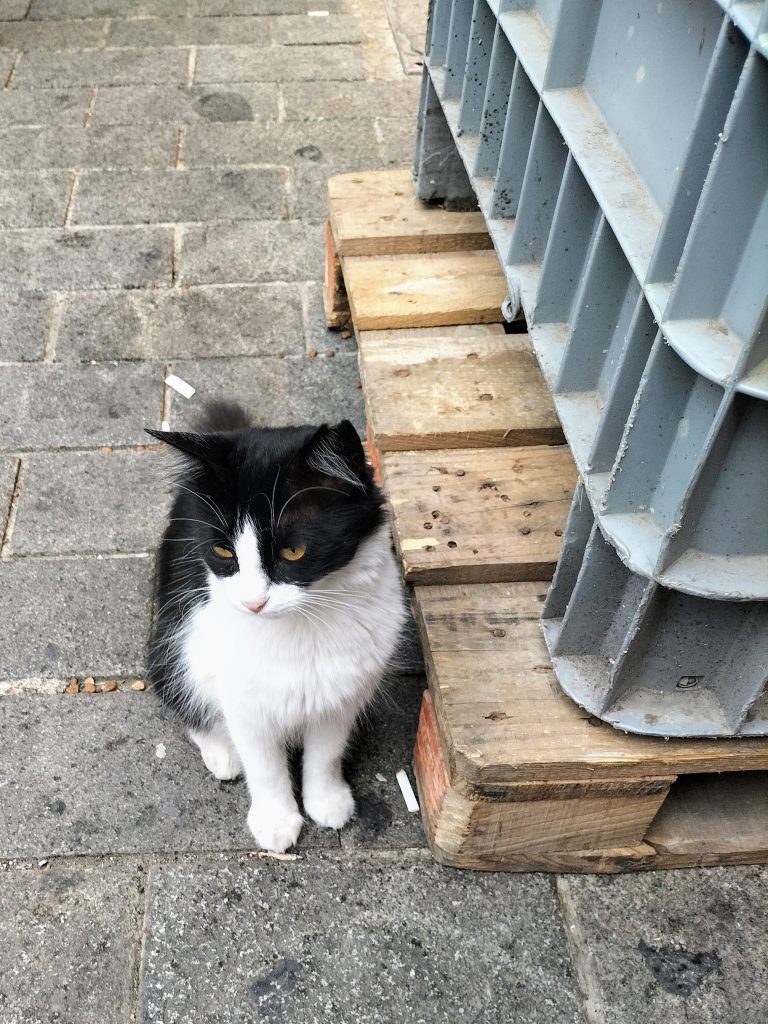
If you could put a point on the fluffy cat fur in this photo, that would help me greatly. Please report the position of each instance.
(279, 607)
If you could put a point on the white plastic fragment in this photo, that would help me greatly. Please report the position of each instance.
(165, 425)
(42, 863)
(160, 750)
(407, 790)
(179, 385)
(380, 777)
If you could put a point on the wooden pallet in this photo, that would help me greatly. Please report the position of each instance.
(512, 775)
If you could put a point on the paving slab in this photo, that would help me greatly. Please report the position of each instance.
(263, 251)
(33, 200)
(73, 617)
(319, 337)
(39, 35)
(122, 257)
(278, 64)
(156, 197)
(344, 101)
(52, 70)
(109, 501)
(677, 946)
(150, 104)
(50, 406)
(77, 148)
(23, 325)
(298, 29)
(20, 107)
(278, 392)
(215, 8)
(70, 944)
(189, 31)
(355, 942)
(63, 9)
(194, 322)
(13, 9)
(110, 773)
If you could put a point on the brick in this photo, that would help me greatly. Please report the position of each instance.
(278, 392)
(298, 29)
(63, 35)
(326, 147)
(319, 338)
(360, 941)
(677, 946)
(84, 921)
(75, 148)
(153, 197)
(23, 326)
(86, 258)
(89, 502)
(64, 617)
(33, 200)
(176, 323)
(264, 251)
(140, 104)
(278, 64)
(317, 101)
(62, 9)
(20, 107)
(101, 67)
(49, 406)
(122, 797)
(189, 32)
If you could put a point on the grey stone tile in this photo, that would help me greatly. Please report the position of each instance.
(139, 786)
(155, 197)
(140, 104)
(278, 64)
(86, 258)
(11, 10)
(78, 147)
(255, 320)
(328, 147)
(239, 253)
(63, 928)
(278, 392)
(23, 326)
(319, 101)
(398, 140)
(8, 468)
(62, 9)
(384, 745)
(47, 406)
(678, 946)
(319, 338)
(41, 70)
(20, 107)
(33, 200)
(215, 8)
(90, 502)
(70, 617)
(189, 31)
(37, 35)
(354, 941)
(297, 29)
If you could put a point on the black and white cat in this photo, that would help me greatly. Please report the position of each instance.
(279, 607)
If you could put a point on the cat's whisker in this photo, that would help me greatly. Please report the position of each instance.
(304, 491)
(211, 505)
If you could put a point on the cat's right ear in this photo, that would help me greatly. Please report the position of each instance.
(199, 448)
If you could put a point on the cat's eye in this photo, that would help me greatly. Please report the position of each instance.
(294, 553)
(221, 552)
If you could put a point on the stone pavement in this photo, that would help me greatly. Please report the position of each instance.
(162, 168)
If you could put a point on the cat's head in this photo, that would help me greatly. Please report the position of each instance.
(270, 512)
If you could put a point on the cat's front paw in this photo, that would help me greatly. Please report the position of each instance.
(330, 805)
(274, 828)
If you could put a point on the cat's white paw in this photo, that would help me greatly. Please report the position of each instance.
(219, 756)
(274, 828)
(330, 805)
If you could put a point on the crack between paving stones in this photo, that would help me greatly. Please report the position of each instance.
(576, 942)
(10, 516)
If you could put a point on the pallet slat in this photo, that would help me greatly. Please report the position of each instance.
(477, 515)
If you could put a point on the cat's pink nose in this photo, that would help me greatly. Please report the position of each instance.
(255, 606)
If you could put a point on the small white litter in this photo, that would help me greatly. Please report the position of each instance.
(160, 750)
(318, 14)
(407, 790)
(165, 425)
(179, 385)
(42, 863)
(380, 777)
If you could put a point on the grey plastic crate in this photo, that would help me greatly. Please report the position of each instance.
(619, 152)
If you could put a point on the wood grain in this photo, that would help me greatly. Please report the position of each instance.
(484, 514)
(377, 213)
(335, 302)
(433, 290)
(455, 387)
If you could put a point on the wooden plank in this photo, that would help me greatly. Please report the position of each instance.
(335, 302)
(377, 213)
(433, 290)
(504, 719)
(479, 515)
(455, 387)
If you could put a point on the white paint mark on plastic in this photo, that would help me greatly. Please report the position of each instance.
(179, 385)
(160, 750)
(407, 790)
(640, 74)
(165, 425)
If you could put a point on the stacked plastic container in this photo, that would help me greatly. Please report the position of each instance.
(619, 152)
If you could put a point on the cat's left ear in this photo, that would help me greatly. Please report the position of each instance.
(338, 452)
(199, 448)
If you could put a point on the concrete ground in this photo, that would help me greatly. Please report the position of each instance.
(162, 168)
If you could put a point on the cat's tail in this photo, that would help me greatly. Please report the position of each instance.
(222, 414)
